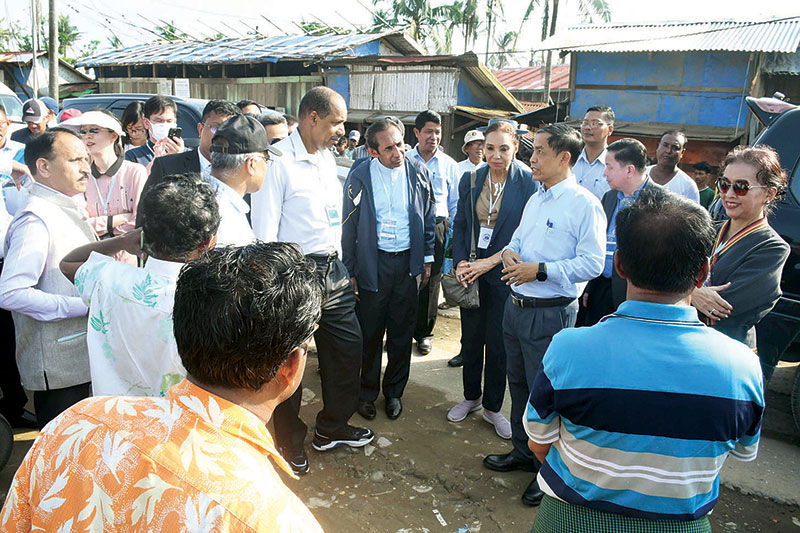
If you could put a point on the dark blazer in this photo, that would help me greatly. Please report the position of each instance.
(360, 230)
(141, 154)
(619, 287)
(753, 266)
(166, 165)
(519, 188)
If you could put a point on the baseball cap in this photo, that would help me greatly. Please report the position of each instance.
(96, 118)
(472, 135)
(34, 110)
(242, 134)
(51, 104)
(69, 113)
(354, 134)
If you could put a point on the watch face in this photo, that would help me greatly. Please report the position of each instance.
(541, 276)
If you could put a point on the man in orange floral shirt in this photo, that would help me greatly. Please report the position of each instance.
(198, 459)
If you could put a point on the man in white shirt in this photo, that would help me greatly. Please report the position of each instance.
(240, 153)
(12, 158)
(132, 349)
(49, 316)
(597, 126)
(301, 202)
(557, 248)
(444, 182)
(473, 149)
(666, 173)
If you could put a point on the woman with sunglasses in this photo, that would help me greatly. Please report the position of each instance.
(115, 185)
(748, 255)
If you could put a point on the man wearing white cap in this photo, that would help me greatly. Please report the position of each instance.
(34, 114)
(473, 149)
(352, 141)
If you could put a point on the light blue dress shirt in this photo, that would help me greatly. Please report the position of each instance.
(564, 227)
(590, 175)
(444, 180)
(390, 193)
(611, 233)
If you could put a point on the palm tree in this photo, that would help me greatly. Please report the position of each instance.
(67, 35)
(419, 15)
(506, 46)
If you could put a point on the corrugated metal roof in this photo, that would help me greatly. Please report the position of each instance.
(270, 49)
(776, 35)
(67, 73)
(532, 78)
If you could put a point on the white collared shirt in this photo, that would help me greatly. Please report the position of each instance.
(590, 175)
(205, 164)
(301, 199)
(444, 180)
(467, 166)
(233, 226)
(681, 184)
(564, 227)
(132, 349)
(26, 246)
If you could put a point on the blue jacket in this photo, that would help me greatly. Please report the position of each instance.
(141, 154)
(360, 230)
(519, 188)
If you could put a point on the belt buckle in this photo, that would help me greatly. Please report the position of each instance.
(516, 300)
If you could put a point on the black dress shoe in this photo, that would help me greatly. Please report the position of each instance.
(367, 410)
(533, 494)
(393, 408)
(424, 346)
(456, 361)
(506, 462)
(297, 459)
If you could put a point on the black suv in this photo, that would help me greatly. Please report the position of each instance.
(190, 110)
(780, 328)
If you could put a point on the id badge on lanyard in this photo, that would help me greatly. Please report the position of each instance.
(485, 237)
(389, 229)
(334, 217)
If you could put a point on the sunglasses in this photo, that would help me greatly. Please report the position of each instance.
(740, 187)
(93, 131)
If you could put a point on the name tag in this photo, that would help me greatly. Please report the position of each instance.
(485, 237)
(334, 218)
(388, 229)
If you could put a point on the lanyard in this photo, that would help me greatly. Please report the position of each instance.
(722, 247)
(385, 190)
(108, 196)
(494, 199)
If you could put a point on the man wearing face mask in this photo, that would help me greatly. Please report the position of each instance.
(160, 116)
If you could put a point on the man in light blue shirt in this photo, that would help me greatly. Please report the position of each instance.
(388, 249)
(597, 126)
(444, 178)
(557, 248)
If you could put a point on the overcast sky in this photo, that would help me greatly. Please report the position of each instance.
(199, 18)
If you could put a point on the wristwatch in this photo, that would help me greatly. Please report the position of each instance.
(541, 275)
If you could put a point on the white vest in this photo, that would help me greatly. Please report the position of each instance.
(54, 355)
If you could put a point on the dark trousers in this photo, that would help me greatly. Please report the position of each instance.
(428, 305)
(527, 334)
(392, 310)
(482, 346)
(12, 404)
(51, 403)
(338, 342)
(600, 301)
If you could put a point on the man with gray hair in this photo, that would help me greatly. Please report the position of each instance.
(239, 156)
(275, 124)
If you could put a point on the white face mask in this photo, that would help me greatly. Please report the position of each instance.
(161, 129)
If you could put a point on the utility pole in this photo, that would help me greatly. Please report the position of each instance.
(53, 82)
(34, 75)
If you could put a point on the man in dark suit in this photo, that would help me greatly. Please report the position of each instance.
(387, 244)
(198, 160)
(626, 160)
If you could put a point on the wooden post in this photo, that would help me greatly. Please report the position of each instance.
(53, 22)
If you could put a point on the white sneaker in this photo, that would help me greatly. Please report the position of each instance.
(501, 426)
(460, 411)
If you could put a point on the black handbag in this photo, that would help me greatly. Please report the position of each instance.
(454, 292)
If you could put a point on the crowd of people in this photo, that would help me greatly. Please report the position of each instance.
(162, 301)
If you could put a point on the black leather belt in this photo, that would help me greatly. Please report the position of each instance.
(324, 258)
(527, 301)
(394, 254)
(440, 219)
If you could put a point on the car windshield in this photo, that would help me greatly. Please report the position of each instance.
(794, 182)
(12, 105)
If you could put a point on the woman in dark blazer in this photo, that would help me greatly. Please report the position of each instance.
(502, 188)
(748, 256)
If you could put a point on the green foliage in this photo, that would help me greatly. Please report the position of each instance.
(170, 33)
(317, 28)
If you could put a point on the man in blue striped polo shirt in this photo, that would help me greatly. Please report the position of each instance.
(633, 418)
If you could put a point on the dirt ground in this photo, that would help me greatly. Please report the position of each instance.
(424, 474)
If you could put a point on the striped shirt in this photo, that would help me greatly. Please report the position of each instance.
(642, 427)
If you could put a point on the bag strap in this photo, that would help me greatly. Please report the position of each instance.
(472, 254)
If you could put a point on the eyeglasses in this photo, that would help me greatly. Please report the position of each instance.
(592, 123)
(212, 128)
(93, 131)
(136, 131)
(740, 187)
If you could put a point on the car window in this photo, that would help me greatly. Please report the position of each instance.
(187, 122)
(11, 104)
(794, 181)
